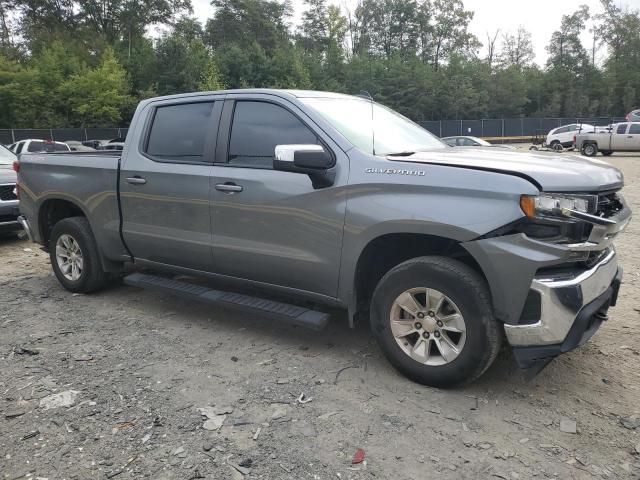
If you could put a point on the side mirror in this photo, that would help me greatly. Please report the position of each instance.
(301, 158)
(312, 160)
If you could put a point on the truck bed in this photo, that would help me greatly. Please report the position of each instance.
(87, 179)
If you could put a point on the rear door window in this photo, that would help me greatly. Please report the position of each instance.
(634, 129)
(179, 132)
(256, 130)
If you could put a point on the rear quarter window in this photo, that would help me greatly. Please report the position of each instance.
(35, 147)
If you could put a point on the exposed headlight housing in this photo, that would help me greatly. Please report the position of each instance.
(557, 205)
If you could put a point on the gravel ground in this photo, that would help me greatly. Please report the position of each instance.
(133, 384)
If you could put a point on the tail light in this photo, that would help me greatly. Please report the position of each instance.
(16, 168)
(574, 139)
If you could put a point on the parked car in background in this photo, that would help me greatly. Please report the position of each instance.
(38, 146)
(633, 116)
(624, 137)
(77, 146)
(562, 137)
(111, 146)
(94, 143)
(340, 201)
(468, 141)
(8, 194)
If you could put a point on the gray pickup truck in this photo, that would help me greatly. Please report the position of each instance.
(327, 200)
(623, 137)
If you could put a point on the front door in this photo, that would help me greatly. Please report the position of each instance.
(618, 137)
(633, 138)
(270, 226)
(165, 183)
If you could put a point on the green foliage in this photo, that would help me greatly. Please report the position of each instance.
(86, 63)
(211, 78)
(97, 97)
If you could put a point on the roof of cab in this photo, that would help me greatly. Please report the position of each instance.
(267, 91)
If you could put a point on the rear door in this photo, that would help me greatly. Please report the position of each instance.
(165, 182)
(270, 226)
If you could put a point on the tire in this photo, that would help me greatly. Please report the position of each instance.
(467, 292)
(590, 150)
(76, 231)
(606, 153)
(556, 145)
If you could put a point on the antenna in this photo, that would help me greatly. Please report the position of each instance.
(367, 95)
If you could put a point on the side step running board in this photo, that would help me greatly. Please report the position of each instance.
(292, 314)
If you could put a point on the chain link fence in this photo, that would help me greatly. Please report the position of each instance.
(509, 128)
(506, 129)
(8, 136)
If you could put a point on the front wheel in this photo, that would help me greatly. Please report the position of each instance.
(74, 256)
(433, 320)
(590, 150)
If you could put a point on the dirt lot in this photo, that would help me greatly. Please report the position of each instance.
(110, 386)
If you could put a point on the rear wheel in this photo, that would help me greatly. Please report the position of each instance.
(556, 145)
(590, 150)
(74, 256)
(433, 320)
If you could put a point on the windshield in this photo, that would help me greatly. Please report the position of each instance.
(6, 156)
(392, 132)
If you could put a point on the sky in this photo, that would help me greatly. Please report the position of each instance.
(540, 17)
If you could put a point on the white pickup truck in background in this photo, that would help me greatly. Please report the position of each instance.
(624, 137)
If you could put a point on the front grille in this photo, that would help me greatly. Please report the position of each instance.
(7, 193)
(608, 204)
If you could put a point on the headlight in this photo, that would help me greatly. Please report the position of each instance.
(556, 205)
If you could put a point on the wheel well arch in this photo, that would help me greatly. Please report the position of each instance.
(52, 211)
(383, 253)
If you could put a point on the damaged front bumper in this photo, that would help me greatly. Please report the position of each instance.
(552, 297)
(572, 308)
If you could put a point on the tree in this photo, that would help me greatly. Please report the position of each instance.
(450, 31)
(98, 97)
(389, 26)
(517, 49)
(620, 32)
(491, 48)
(181, 58)
(110, 20)
(211, 78)
(568, 66)
(566, 51)
(244, 22)
(313, 30)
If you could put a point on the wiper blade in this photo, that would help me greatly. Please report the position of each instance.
(401, 154)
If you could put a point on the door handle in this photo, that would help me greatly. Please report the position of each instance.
(136, 180)
(229, 187)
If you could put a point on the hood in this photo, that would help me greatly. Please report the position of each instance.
(551, 173)
(7, 175)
